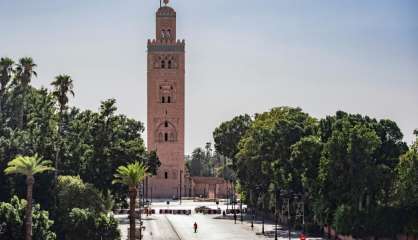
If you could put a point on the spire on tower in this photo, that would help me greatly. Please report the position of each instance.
(166, 2)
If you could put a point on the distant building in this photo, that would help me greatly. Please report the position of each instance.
(166, 76)
(166, 111)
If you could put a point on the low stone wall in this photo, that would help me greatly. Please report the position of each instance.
(329, 231)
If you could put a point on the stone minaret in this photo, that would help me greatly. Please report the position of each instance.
(165, 126)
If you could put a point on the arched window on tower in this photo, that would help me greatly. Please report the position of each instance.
(162, 64)
(163, 99)
(168, 99)
(168, 34)
(166, 132)
(169, 64)
(163, 34)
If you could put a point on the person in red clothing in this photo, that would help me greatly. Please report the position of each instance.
(302, 237)
(195, 227)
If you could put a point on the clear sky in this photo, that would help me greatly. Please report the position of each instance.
(360, 56)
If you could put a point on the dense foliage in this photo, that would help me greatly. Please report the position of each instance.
(84, 143)
(12, 216)
(351, 171)
(84, 224)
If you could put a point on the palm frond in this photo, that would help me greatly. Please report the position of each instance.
(28, 166)
(130, 175)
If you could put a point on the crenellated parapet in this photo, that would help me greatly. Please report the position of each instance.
(166, 11)
(166, 45)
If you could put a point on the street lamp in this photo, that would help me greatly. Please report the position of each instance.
(276, 213)
(261, 196)
(227, 197)
(140, 216)
(181, 174)
(240, 208)
(233, 204)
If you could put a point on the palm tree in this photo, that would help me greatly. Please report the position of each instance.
(28, 166)
(63, 86)
(24, 75)
(6, 70)
(131, 175)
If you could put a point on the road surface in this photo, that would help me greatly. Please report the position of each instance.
(210, 227)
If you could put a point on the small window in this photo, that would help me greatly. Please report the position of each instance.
(169, 64)
(166, 175)
(166, 137)
(168, 33)
(169, 99)
(163, 99)
(166, 124)
(162, 64)
(162, 34)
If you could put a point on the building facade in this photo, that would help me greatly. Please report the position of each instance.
(166, 104)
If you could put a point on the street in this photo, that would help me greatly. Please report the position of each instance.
(210, 227)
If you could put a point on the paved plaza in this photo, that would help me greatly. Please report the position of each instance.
(211, 227)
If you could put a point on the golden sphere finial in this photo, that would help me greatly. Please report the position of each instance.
(166, 2)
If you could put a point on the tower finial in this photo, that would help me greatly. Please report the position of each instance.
(166, 2)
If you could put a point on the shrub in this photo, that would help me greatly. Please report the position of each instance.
(343, 220)
(84, 224)
(12, 221)
(73, 193)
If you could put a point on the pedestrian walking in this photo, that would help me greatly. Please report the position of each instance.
(195, 227)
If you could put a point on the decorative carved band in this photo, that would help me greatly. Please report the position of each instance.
(166, 48)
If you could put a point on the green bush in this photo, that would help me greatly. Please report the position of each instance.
(84, 224)
(343, 220)
(12, 217)
(73, 193)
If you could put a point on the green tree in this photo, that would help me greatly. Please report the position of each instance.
(63, 86)
(28, 166)
(83, 224)
(153, 163)
(24, 72)
(305, 157)
(113, 140)
(357, 168)
(228, 135)
(406, 189)
(11, 221)
(198, 157)
(131, 175)
(6, 71)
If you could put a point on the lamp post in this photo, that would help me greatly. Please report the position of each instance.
(260, 196)
(233, 204)
(288, 218)
(181, 174)
(227, 197)
(240, 209)
(252, 209)
(262, 212)
(276, 212)
(140, 216)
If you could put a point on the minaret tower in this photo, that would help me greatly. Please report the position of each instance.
(166, 88)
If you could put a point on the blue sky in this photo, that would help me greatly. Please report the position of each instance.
(360, 56)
